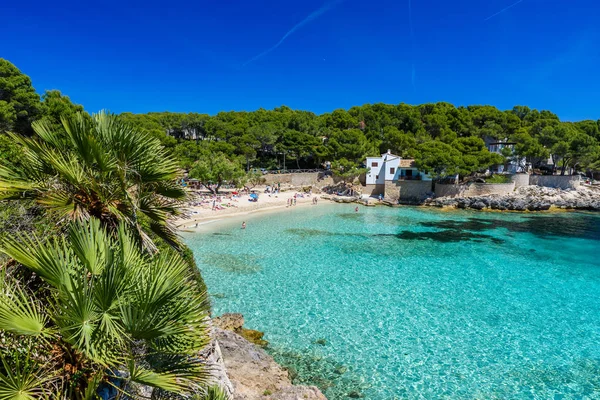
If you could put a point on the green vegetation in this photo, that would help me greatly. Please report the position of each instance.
(97, 167)
(96, 291)
(214, 170)
(498, 179)
(444, 140)
(105, 304)
(97, 295)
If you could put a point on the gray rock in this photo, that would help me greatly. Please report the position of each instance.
(255, 375)
(478, 205)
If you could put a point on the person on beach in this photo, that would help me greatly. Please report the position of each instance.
(244, 225)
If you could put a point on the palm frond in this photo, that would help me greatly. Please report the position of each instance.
(91, 245)
(23, 380)
(183, 374)
(20, 313)
(49, 260)
(214, 393)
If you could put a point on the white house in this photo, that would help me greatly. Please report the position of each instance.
(514, 165)
(392, 168)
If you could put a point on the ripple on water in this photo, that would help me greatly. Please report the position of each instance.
(411, 303)
(238, 263)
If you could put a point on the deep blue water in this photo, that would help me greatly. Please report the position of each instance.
(417, 303)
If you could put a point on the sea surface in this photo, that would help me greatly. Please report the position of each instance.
(411, 303)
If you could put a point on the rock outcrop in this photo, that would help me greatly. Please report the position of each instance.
(253, 373)
(528, 198)
(235, 322)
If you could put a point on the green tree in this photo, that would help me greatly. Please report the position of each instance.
(19, 103)
(116, 315)
(438, 159)
(215, 170)
(56, 106)
(255, 178)
(109, 171)
(529, 148)
(474, 155)
(398, 142)
(350, 145)
(298, 144)
(347, 170)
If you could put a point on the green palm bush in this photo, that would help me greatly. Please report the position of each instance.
(98, 167)
(110, 315)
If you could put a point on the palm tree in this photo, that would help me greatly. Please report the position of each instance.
(111, 316)
(98, 167)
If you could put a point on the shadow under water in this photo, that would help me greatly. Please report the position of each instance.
(448, 236)
(333, 378)
(570, 225)
(238, 263)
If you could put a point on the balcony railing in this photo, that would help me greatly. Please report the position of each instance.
(411, 178)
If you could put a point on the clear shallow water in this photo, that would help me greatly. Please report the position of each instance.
(418, 304)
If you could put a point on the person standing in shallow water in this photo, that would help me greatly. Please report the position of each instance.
(356, 209)
(244, 225)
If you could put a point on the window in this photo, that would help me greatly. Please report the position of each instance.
(375, 164)
(392, 171)
(377, 177)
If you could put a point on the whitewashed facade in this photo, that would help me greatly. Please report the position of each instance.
(514, 164)
(392, 168)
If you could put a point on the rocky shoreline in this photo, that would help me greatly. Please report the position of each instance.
(528, 198)
(245, 370)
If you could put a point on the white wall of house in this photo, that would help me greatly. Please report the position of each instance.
(382, 169)
(387, 168)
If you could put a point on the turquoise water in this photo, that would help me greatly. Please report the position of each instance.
(417, 304)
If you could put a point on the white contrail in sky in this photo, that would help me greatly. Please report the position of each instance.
(312, 16)
(504, 9)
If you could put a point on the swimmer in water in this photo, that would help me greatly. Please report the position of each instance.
(244, 225)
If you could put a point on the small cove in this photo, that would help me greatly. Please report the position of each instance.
(416, 303)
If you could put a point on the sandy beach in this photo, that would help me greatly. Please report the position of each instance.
(202, 212)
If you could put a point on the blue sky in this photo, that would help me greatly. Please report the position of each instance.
(213, 55)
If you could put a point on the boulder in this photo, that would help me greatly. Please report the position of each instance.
(235, 322)
(229, 321)
(478, 205)
(254, 373)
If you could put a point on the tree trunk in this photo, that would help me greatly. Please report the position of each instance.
(209, 188)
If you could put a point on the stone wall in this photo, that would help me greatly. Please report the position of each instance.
(408, 192)
(556, 181)
(415, 191)
(373, 190)
(473, 189)
(318, 179)
(520, 180)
